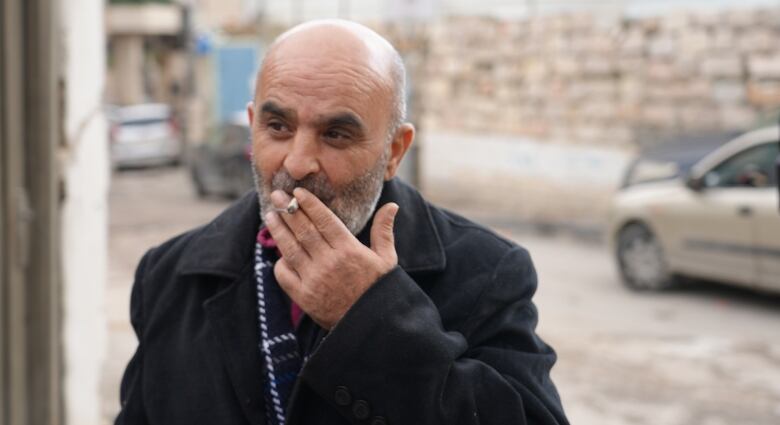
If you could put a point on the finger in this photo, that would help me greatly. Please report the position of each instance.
(330, 226)
(291, 250)
(382, 238)
(301, 226)
(288, 279)
(280, 199)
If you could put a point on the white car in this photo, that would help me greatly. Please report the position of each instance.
(717, 218)
(145, 134)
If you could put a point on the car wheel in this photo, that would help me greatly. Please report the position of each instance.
(641, 259)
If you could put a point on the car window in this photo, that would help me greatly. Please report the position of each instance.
(753, 167)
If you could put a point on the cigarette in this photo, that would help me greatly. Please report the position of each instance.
(291, 208)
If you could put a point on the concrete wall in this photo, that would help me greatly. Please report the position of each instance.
(520, 178)
(143, 19)
(552, 108)
(213, 14)
(84, 241)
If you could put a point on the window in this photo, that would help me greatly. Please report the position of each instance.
(753, 167)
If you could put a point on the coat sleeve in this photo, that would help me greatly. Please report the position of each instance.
(391, 361)
(130, 392)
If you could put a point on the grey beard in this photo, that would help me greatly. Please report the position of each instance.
(353, 204)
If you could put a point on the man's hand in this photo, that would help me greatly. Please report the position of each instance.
(324, 268)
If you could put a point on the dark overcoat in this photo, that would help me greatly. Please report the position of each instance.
(447, 337)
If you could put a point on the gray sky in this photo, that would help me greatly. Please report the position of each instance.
(295, 10)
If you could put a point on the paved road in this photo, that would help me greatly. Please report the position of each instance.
(699, 355)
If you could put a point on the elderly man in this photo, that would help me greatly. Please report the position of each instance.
(336, 294)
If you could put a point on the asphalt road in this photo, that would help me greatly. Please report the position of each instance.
(699, 355)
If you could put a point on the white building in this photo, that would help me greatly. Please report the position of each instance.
(53, 211)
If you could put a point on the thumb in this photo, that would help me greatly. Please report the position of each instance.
(382, 239)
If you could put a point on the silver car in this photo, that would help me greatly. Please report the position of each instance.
(717, 219)
(145, 134)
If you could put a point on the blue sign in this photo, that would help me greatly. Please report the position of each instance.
(202, 45)
(235, 72)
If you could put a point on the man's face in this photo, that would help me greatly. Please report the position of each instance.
(320, 121)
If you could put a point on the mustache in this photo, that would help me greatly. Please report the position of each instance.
(317, 184)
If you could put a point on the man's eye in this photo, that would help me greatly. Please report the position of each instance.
(277, 129)
(336, 136)
(276, 126)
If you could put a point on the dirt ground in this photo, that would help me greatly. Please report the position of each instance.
(698, 355)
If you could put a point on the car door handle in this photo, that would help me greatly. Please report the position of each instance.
(745, 211)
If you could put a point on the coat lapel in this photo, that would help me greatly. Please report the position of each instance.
(232, 315)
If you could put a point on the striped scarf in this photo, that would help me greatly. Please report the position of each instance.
(278, 344)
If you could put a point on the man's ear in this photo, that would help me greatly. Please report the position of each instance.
(403, 138)
(250, 112)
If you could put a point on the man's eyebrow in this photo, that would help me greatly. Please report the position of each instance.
(345, 119)
(272, 108)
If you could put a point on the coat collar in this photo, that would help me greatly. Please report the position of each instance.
(225, 246)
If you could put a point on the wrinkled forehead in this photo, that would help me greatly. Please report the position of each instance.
(327, 62)
(331, 81)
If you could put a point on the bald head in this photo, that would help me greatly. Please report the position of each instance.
(328, 116)
(327, 45)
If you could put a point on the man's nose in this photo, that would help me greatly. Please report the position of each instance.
(302, 159)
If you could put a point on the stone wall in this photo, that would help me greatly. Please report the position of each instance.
(580, 79)
(582, 92)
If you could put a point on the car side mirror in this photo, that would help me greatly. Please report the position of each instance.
(696, 184)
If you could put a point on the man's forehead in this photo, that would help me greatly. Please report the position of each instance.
(316, 50)
(306, 84)
(313, 62)
(321, 74)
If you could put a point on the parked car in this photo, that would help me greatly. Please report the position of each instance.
(221, 165)
(709, 212)
(143, 135)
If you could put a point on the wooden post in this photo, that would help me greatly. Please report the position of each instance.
(30, 353)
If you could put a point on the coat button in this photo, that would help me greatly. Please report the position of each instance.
(378, 420)
(361, 410)
(342, 396)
